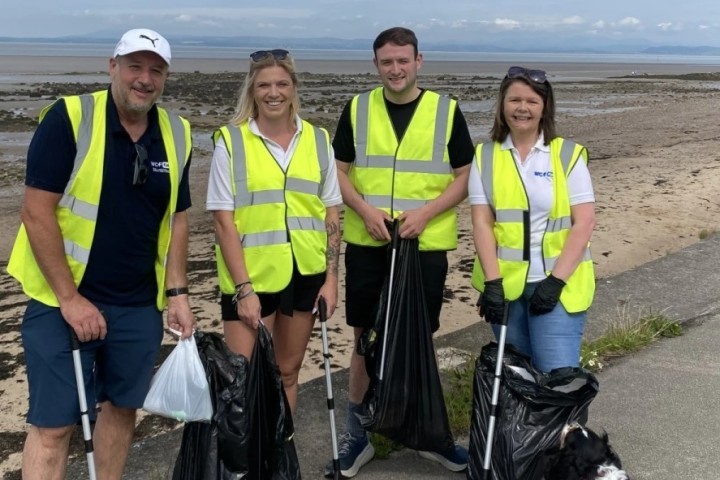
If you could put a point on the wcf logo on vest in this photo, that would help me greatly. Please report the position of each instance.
(164, 167)
(547, 175)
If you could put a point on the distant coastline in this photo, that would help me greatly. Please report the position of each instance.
(192, 50)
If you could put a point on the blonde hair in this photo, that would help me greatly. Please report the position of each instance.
(246, 106)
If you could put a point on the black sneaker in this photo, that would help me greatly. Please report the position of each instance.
(353, 453)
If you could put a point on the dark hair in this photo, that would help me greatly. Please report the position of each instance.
(500, 128)
(397, 35)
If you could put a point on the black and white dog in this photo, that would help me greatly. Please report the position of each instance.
(583, 455)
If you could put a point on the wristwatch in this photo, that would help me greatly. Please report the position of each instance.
(174, 292)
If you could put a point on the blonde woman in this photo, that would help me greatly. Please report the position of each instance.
(274, 194)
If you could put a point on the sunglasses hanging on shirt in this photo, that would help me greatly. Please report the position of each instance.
(140, 167)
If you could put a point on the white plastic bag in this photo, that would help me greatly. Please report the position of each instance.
(179, 388)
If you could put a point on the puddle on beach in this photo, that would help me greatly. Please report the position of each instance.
(594, 106)
(27, 79)
(481, 106)
(480, 131)
(14, 143)
(587, 111)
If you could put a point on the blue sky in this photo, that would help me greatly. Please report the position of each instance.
(684, 22)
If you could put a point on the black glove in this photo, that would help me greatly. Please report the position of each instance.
(492, 302)
(546, 295)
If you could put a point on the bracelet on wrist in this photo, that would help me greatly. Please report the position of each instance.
(174, 292)
(239, 296)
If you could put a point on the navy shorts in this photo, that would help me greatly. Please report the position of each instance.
(300, 295)
(118, 368)
(366, 269)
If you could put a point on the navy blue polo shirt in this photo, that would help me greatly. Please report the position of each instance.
(121, 267)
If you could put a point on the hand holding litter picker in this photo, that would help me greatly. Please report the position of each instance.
(84, 414)
(394, 247)
(492, 302)
(487, 465)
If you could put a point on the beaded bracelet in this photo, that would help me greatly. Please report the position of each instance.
(239, 296)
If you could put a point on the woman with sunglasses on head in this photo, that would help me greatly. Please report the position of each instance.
(533, 213)
(274, 194)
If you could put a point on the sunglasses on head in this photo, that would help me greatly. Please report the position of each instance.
(140, 167)
(278, 53)
(537, 76)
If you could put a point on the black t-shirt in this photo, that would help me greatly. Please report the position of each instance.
(121, 267)
(460, 146)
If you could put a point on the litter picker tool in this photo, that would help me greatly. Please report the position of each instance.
(322, 307)
(84, 414)
(487, 464)
(393, 253)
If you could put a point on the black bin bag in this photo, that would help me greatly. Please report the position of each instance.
(250, 434)
(533, 408)
(272, 453)
(407, 405)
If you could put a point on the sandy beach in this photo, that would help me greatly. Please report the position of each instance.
(650, 130)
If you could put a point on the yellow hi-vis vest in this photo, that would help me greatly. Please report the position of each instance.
(499, 173)
(279, 215)
(397, 177)
(78, 208)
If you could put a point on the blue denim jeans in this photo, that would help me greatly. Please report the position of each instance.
(551, 340)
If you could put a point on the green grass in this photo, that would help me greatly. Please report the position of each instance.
(383, 446)
(459, 396)
(705, 233)
(626, 335)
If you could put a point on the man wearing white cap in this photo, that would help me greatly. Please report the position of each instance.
(101, 252)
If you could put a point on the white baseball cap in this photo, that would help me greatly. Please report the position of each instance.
(143, 40)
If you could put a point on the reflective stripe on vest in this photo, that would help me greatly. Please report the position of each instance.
(244, 197)
(87, 210)
(77, 208)
(396, 175)
(515, 215)
(512, 223)
(279, 215)
(364, 160)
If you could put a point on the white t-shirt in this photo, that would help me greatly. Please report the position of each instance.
(219, 193)
(538, 185)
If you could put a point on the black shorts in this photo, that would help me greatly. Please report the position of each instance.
(365, 272)
(300, 295)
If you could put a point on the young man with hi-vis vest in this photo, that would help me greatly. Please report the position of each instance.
(102, 251)
(402, 153)
(533, 211)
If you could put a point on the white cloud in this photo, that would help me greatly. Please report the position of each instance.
(665, 26)
(600, 24)
(507, 23)
(184, 18)
(574, 20)
(629, 22)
